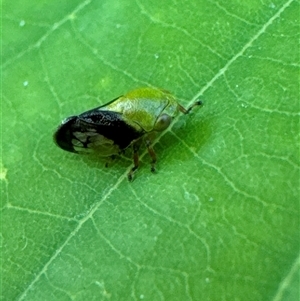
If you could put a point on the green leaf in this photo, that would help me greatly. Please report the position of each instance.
(220, 219)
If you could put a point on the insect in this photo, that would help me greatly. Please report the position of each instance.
(125, 121)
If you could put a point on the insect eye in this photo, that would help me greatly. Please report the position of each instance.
(162, 122)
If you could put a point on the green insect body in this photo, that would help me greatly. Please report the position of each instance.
(125, 121)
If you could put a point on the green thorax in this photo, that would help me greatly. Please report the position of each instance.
(141, 107)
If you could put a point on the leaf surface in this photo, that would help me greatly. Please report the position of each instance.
(220, 219)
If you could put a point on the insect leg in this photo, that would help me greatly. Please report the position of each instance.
(152, 155)
(186, 111)
(135, 161)
(109, 160)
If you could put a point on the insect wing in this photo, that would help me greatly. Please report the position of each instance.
(81, 136)
(113, 126)
(103, 132)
